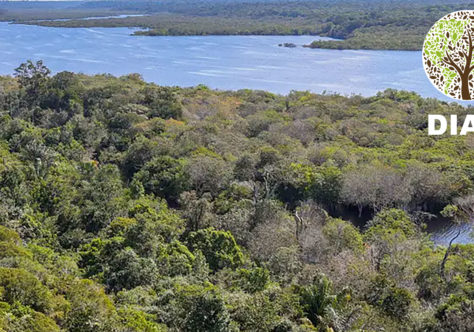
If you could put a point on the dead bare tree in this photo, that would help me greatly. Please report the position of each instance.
(461, 212)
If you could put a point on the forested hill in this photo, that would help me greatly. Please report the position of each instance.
(127, 206)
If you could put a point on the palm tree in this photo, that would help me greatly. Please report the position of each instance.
(322, 307)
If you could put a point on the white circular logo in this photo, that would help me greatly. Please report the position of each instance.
(447, 55)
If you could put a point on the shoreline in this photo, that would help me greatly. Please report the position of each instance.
(150, 32)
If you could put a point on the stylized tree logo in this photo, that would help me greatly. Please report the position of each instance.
(447, 54)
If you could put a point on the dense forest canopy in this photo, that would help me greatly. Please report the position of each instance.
(370, 24)
(128, 206)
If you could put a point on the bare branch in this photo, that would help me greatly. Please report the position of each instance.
(470, 44)
(451, 62)
(468, 66)
(446, 255)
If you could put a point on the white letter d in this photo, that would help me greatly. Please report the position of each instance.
(443, 124)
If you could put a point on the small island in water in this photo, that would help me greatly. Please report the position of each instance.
(290, 45)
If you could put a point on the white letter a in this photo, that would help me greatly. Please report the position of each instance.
(468, 125)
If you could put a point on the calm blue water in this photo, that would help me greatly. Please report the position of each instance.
(223, 62)
(442, 231)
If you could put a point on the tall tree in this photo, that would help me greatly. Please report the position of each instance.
(33, 78)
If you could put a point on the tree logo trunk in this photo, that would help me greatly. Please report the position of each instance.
(447, 55)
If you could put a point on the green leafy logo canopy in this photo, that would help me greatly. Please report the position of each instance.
(447, 55)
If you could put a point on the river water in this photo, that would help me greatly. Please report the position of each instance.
(223, 62)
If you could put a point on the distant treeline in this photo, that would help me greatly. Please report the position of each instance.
(376, 24)
(379, 26)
